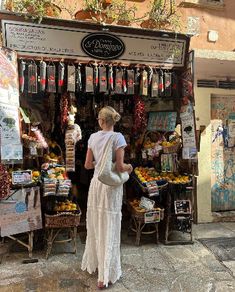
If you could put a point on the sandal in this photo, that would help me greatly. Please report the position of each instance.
(101, 286)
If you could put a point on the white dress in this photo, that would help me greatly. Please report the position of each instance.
(104, 216)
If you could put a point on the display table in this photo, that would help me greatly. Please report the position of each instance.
(55, 224)
(21, 213)
(139, 225)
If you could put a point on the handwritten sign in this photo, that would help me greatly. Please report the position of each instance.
(21, 177)
(162, 121)
(188, 128)
(152, 217)
(38, 39)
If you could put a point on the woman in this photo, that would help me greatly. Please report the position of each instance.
(104, 204)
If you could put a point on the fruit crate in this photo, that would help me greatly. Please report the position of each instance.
(161, 184)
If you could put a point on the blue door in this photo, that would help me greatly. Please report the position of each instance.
(223, 153)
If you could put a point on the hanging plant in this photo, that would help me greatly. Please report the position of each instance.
(162, 15)
(121, 13)
(36, 9)
(94, 10)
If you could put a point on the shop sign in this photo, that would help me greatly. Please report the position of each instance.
(163, 50)
(103, 46)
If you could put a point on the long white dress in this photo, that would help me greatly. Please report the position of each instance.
(104, 216)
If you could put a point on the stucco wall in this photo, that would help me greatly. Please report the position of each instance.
(203, 112)
(222, 20)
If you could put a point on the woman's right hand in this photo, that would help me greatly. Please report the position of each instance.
(130, 168)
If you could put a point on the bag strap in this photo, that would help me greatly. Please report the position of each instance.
(107, 147)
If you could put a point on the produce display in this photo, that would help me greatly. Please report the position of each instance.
(135, 203)
(146, 174)
(54, 171)
(66, 206)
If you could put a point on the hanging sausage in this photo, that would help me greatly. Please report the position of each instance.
(71, 78)
(167, 84)
(32, 78)
(154, 84)
(130, 81)
(51, 73)
(78, 87)
(89, 79)
(22, 68)
(102, 79)
(118, 80)
(144, 83)
(110, 78)
(61, 72)
(43, 69)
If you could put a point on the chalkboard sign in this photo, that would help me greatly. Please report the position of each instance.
(183, 207)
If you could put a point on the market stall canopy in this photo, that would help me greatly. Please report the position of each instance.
(85, 41)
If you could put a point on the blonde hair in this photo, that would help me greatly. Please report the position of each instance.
(109, 115)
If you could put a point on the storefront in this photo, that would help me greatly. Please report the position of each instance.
(55, 80)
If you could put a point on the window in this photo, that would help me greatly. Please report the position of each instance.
(203, 3)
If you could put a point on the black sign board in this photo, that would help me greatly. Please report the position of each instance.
(103, 46)
(183, 207)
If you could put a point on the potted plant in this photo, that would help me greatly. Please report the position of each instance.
(121, 13)
(93, 10)
(36, 9)
(162, 15)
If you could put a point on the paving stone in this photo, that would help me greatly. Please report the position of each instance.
(231, 266)
(146, 268)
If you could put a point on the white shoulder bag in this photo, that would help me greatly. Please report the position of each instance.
(108, 174)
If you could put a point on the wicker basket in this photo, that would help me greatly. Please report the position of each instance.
(140, 214)
(62, 220)
(173, 148)
(152, 137)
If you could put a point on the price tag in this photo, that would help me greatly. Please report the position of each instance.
(152, 217)
(21, 177)
(152, 189)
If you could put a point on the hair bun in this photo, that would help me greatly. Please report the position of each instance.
(116, 117)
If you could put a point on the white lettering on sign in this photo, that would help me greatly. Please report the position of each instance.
(44, 40)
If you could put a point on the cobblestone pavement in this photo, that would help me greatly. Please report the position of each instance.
(146, 268)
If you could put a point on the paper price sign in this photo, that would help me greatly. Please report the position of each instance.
(152, 217)
(21, 177)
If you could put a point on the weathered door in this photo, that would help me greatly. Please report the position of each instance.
(223, 153)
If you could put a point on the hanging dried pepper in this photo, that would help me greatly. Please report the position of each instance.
(5, 182)
(140, 119)
(64, 109)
